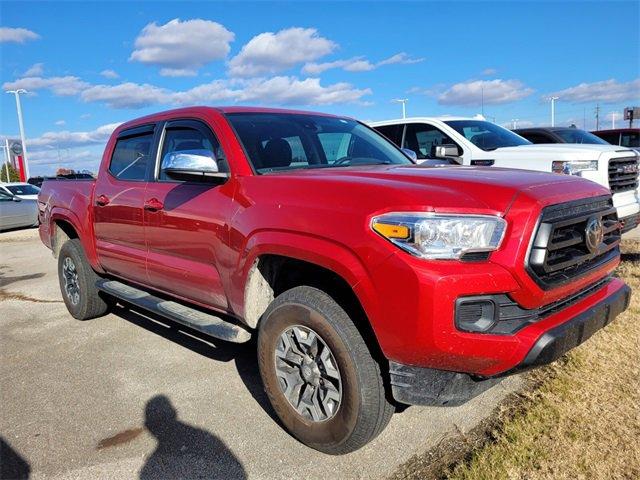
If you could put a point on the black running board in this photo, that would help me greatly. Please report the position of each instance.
(203, 322)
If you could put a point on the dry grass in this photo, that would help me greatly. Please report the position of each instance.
(583, 419)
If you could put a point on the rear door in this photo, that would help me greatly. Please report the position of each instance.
(186, 222)
(118, 204)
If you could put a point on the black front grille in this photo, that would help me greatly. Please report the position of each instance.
(560, 250)
(623, 174)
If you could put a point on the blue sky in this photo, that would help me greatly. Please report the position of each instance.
(89, 66)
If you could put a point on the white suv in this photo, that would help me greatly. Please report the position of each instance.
(471, 141)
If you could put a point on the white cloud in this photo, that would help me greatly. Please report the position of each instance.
(63, 86)
(475, 92)
(358, 64)
(108, 73)
(606, 91)
(292, 91)
(67, 139)
(273, 52)
(34, 70)
(273, 91)
(178, 72)
(279, 90)
(126, 95)
(60, 123)
(17, 35)
(179, 45)
(489, 72)
(400, 58)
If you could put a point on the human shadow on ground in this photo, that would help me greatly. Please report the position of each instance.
(12, 465)
(185, 451)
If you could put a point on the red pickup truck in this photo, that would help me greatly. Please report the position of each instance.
(369, 281)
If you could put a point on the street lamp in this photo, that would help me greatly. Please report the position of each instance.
(403, 101)
(17, 93)
(553, 110)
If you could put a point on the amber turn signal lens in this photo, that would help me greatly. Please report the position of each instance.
(391, 231)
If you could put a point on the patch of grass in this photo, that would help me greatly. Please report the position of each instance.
(583, 421)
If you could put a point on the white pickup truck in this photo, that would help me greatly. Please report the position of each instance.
(472, 141)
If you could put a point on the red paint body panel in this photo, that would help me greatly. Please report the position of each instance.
(201, 244)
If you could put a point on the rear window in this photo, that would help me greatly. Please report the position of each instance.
(131, 157)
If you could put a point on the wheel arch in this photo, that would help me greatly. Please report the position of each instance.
(281, 263)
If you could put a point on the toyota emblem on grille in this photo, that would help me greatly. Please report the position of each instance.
(594, 234)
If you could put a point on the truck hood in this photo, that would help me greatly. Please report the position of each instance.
(560, 151)
(450, 189)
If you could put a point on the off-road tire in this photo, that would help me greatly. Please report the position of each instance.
(364, 410)
(91, 302)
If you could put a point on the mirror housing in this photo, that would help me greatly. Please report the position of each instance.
(194, 165)
(16, 199)
(410, 153)
(445, 151)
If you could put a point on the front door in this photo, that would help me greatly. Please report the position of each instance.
(186, 223)
(118, 205)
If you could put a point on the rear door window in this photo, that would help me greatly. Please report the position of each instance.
(131, 157)
(392, 132)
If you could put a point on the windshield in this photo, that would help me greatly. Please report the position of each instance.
(23, 189)
(486, 135)
(575, 135)
(286, 141)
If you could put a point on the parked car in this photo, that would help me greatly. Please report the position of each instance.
(369, 281)
(25, 191)
(625, 137)
(542, 135)
(16, 212)
(469, 141)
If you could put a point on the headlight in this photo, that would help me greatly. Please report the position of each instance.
(574, 167)
(441, 236)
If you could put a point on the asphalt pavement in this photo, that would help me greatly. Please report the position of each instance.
(129, 395)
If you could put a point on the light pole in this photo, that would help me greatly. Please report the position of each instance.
(17, 93)
(514, 123)
(403, 101)
(553, 110)
(613, 120)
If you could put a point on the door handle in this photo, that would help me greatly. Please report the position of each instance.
(102, 200)
(153, 205)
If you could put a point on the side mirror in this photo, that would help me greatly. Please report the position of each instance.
(16, 199)
(410, 153)
(445, 151)
(192, 165)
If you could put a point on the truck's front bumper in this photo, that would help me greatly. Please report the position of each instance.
(426, 386)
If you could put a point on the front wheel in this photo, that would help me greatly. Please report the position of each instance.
(319, 374)
(78, 283)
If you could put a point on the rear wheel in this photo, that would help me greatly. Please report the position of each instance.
(319, 374)
(78, 283)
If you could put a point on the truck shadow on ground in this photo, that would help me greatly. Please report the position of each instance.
(244, 355)
(185, 451)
